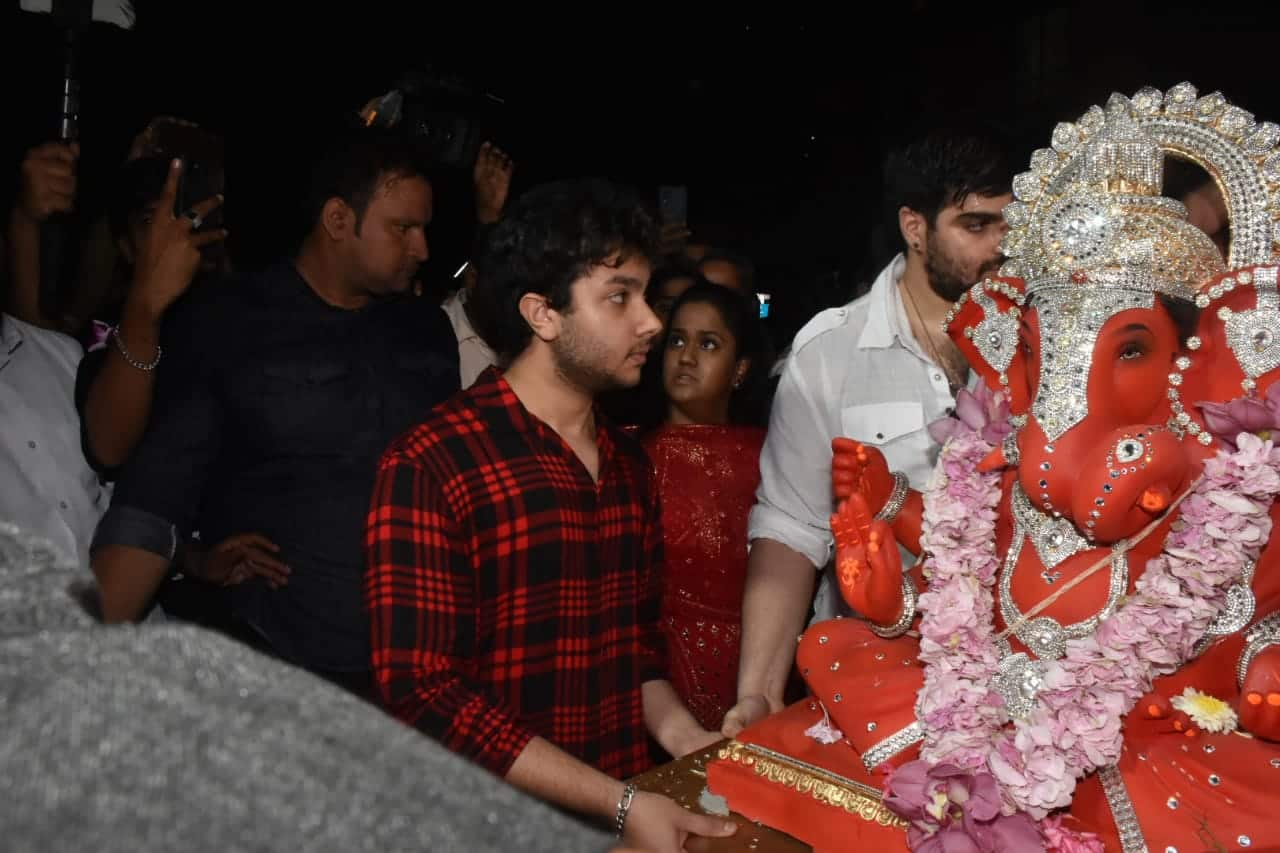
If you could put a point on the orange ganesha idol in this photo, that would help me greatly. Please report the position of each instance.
(1087, 654)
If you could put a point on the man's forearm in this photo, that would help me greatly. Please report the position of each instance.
(669, 720)
(549, 773)
(23, 300)
(775, 605)
(119, 400)
(128, 578)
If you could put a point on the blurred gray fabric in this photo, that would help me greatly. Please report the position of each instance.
(170, 737)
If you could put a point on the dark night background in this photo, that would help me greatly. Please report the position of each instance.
(776, 122)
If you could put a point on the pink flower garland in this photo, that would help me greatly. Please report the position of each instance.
(1075, 726)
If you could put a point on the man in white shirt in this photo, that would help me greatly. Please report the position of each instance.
(46, 486)
(474, 355)
(879, 370)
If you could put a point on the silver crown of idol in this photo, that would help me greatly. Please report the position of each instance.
(1092, 236)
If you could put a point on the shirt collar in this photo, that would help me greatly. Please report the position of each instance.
(11, 337)
(456, 308)
(493, 393)
(886, 325)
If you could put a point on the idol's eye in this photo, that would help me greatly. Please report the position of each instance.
(1133, 350)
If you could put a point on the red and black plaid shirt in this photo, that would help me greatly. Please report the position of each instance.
(510, 595)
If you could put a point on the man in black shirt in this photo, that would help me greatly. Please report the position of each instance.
(300, 377)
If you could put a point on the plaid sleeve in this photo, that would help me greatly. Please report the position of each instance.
(420, 592)
(653, 648)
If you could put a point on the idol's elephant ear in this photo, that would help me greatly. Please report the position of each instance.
(1236, 349)
(984, 323)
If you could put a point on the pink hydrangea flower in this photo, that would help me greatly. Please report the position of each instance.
(983, 411)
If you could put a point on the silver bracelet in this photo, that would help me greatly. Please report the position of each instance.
(130, 360)
(1009, 447)
(1265, 633)
(898, 497)
(897, 629)
(624, 806)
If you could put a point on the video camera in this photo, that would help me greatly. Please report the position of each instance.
(445, 114)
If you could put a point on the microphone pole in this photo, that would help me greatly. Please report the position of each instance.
(55, 232)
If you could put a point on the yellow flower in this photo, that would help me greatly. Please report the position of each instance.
(937, 807)
(1208, 712)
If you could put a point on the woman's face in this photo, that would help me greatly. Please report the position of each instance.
(700, 365)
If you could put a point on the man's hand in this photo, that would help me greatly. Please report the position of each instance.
(492, 178)
(750, 709)
(169, 254)
(655, 823)
(694, 740)
(48, 182)
(238, 558)
(672, 238)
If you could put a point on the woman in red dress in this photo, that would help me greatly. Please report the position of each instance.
(716, 361)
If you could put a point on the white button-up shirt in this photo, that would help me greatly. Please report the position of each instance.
(46, 486)
(854, 371)
(474, 354)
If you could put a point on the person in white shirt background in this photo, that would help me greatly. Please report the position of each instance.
(878, 370)
(46, 485)
(492, 181)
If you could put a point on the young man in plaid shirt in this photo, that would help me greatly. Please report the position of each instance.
(514, 542)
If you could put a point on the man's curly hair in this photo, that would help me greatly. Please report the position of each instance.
(547, 239)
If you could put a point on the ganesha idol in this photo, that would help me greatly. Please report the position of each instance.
(1087, 654)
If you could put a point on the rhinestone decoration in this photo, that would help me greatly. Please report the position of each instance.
(1044, 635)
(1018, 681)
(1244, 841)
(1122, 811)
(1253, 335)
(1235, 122)
(1214, 780)
(1026, 187)
(1173, 803)
(1070, 319)
(1129, 450)
(1111, 150)
(1044, 162)
(1015, 214)
(1091, 122)
(1263, 138)
(996, 336)
(1066, 139)
(1210, 107)
(1239, 609)
(1054, 539)
(871, 727)
(1147, 101)
(881, 752)
(1180, 98)
(1078, 228)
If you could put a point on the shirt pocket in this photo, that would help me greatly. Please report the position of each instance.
(306, 405)
(882, 423)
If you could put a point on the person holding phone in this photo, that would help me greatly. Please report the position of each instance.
(299, 376)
